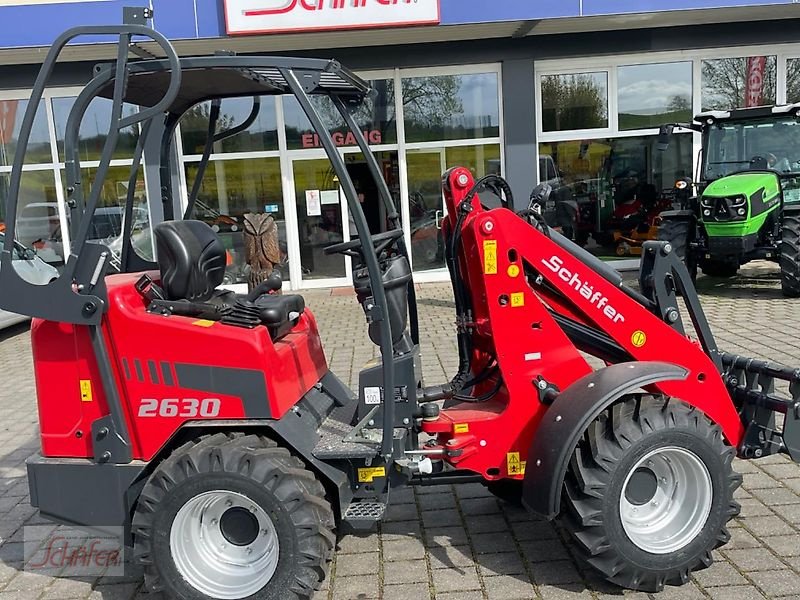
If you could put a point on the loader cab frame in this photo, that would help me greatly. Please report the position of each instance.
(163, 89)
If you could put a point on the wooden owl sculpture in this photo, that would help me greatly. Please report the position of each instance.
(262, 251)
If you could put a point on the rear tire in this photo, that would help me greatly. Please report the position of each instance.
(679, 233)
(790, 254)
(649, 492)
(233, 517)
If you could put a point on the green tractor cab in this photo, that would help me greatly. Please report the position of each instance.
(747, 205)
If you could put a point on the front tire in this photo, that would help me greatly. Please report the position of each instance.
(233, 517)
(649, 493)
(679, 232)
(790, 254)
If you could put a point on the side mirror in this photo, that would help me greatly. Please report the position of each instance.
(664, 133)
(539, 196)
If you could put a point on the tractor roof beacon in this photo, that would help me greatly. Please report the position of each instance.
(230, 454)
(748, 193)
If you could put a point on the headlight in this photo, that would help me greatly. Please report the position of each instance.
(742, 212)
(737, 201)
(707, 202)
(707, 212)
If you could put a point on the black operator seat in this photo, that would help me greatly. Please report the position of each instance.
(192, 262)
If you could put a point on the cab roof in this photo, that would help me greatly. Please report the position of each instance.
(229, 76)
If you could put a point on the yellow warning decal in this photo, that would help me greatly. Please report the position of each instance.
(639, 338)
(461, 428)
(490, 257)
(368, 474)
(513, 271)
(204, 323)
(86, 390)
(514, 465)
(518, 299)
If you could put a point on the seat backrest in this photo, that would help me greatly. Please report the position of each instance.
(191, 259)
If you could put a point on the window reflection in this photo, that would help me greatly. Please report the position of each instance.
(730, 83)
(651, 95)
(11, 114)
(260, 136)
(611, 186)
(577, 101)
(451, 107)
(376, 117)
(94, 129)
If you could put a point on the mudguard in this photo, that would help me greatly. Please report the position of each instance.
(568, 418)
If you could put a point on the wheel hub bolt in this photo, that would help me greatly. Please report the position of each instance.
(252, 509)
(249, 550)
(229, 503)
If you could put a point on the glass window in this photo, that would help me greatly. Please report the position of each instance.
(94, 129)
(793, 80)
(736, 146)
(738, 82)
(607, 193)
(376, 117)
(426, 205)
(11, 115)
(577, 101)
(651, 95)
(37, 212)
(106, 226)
(232, 188)
(260, 136)
(451, 107)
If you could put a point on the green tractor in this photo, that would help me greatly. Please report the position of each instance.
(747, 205)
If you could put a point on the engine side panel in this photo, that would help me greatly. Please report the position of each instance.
(170, 371)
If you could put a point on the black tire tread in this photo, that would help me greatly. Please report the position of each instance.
(260, 459)
(590, 472)
(678, 232)
(790, 255)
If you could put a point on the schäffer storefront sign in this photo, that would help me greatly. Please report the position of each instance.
(281, 16)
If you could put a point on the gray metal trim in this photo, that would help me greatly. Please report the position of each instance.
(247, 384)
(80, 492)
(166, 374)
(567, 419)
(153, 370)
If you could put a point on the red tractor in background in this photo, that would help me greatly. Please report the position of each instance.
(208, 426)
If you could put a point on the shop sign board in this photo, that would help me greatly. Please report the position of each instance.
(282, 16)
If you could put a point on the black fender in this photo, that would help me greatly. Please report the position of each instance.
(567, 419)
(677, 214)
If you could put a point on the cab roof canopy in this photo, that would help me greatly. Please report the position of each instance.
(230, 76)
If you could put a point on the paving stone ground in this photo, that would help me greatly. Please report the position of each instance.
(459, 542)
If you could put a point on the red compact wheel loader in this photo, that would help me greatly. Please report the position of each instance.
(207, 425)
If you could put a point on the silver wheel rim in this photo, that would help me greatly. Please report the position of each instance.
(676, 512)
(209, 560)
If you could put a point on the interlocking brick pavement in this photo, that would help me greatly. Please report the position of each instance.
(459, 542)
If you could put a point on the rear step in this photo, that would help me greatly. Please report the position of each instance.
(363, 514)
(333, 430)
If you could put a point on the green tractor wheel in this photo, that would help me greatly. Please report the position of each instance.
(790, 254)
(679, 231)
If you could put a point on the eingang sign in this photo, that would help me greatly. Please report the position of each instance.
(274, 16)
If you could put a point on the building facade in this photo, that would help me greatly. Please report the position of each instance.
(570, 93)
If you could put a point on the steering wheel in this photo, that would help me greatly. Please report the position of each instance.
(380, 241)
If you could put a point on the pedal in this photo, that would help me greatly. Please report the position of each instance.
(364, 514)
